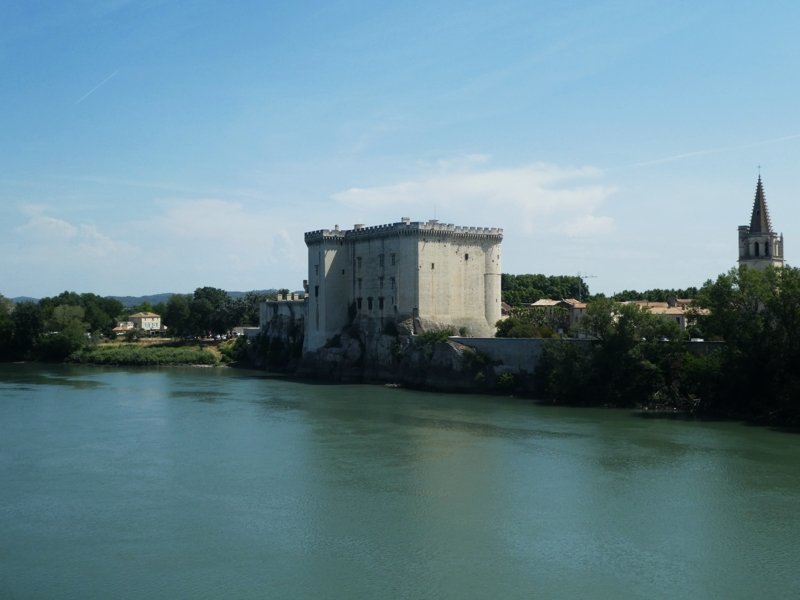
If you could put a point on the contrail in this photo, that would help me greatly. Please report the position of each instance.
(95, 88)
(667, 159)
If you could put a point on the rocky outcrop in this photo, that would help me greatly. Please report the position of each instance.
(428, 361)
(407, 353)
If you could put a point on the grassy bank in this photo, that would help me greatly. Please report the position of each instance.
(145, 355)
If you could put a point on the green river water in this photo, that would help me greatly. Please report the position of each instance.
(218, 483)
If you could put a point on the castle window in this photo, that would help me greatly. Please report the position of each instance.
(369, 303)
(755, 248)
(380, 260)
(358, 303)
(433, 266)
(380, 282)
(360, 282)
(466, 256)
(380, 303)
(316, 291)
(392, 282)
(358, 262)
(393, 258)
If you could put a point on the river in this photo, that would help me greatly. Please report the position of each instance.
(220, 483)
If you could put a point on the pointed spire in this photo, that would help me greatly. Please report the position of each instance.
(759, 222)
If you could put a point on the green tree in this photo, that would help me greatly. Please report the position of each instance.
(212, 311)
(526, 289)
(250, 307)
(6, 305)
(526, 322)
(101, 314)
(28, 328)
(630, 361)
(6, 329)
(757, 313)
(65, 332)
(143, 307)
(176, 315)
(656, 295)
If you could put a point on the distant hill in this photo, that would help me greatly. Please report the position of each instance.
(128, 301)
(154, 299)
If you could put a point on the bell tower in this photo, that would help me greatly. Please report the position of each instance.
(759, 245)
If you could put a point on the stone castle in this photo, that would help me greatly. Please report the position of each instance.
(410, 277)
(429, 275)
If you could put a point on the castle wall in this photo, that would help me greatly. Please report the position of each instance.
(437, 274)
(384, 276)
(459, 283)
(328, 287)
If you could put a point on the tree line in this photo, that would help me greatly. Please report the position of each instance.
(55, 327)
(518, 290)
(637, 358)
(527, 289)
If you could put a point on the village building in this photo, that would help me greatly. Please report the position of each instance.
(146, 321)
(122, 328)
(759, 245)
(564, 314)
(674, 309)
(431, 274)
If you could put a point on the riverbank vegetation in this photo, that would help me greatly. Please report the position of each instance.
(145, 355)
(74, 326)
(638, 359)
(634, 358)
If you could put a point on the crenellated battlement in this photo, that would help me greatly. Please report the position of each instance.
(404, 228)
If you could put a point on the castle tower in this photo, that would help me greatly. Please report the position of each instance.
(434, 274)
(759, 245)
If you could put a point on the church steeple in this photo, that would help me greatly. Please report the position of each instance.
(759, 245)
(759, 222)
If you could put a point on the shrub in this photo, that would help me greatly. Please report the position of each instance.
(434, 337)
(506, 381)
(138, 356)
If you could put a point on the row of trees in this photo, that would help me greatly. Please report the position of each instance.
(755, 374)
(55, 327)
(211, 311)
(656, 295)
(527, 322)
(526, 289)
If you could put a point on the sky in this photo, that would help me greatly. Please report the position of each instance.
(152, 146)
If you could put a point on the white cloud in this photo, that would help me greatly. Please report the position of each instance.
(525, 199)
(60, 241)
(52, 254)
(178, 244)
(221, 243)
(588, 225)
(555, 219)
(44, 227)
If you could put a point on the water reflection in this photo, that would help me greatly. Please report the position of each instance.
(212, 483)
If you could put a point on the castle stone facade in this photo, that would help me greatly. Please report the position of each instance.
(759, 245)
(429, 274)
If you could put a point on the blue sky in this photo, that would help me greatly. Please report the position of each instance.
(151, 146)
